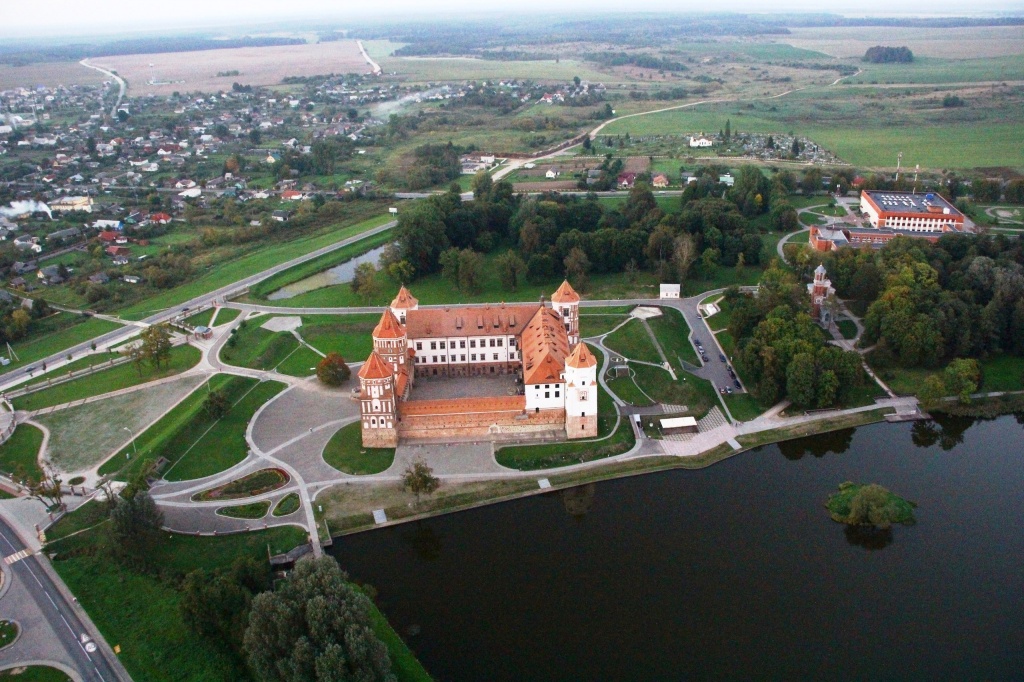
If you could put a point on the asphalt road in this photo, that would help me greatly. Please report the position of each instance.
(12, 378)
(59, 630)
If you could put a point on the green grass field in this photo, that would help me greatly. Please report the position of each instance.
(226, 315)
(201, 319)
(258, 348)
(121, 376)
(847, 328)
(697, 394)
(596, 324)
(289, 504)
(984, 143)
(627, 391)
(415, 69)
(59, 333)
(140, 613)
(201, 452)
(673, 333)
(743, 407)
(253, 510)
(345, 452)
(249, 264)
(21, 451)
(632, 341)
(34, 673)
(999, 373)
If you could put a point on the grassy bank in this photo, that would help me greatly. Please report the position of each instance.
(56, 334)
(21, 451)
(104, 381)
(345, 452)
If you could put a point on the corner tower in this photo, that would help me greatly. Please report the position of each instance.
(819, 290)
(566, 302)
(581, 393)
(403, 303)
(377, 408)
(390, 341)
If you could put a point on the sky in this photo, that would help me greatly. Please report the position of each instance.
(75, 17)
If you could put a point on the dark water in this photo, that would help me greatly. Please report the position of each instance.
(732, 572)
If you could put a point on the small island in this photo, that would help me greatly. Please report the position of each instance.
(869, 505)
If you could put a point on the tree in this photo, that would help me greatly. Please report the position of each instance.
(482, 186)
(216, 604)
(332, 370)
(134, 528)
(684, 253)
(421, 234)
(933, 390)
(255, 136)
(316, 626)
(961, 378)
(577, 265)
(800, 380)
(156, 344)
(45, 485)
(216, 405)
(728, 130)
(419, 479)
(511, 269)
(471, 271)
(364, 282)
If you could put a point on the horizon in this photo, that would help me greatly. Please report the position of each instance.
(265, 16)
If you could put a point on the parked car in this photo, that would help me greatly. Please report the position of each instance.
(737, 383)
(728, 389)
(721, 357)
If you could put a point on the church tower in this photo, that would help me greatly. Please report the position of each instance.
(819, 290)
(581, 393)
(566, 302)
(377, 408)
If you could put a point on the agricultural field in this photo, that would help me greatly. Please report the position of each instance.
(948, 43)
(49, 74)
(434, 69)
(165, 73)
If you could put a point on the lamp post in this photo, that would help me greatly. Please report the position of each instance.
(135, 448)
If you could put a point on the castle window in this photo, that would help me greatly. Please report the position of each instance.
(557, 394)
(547, 394)
(433, 345)
(442, 345)
(463, 357)
(373, 422)
(474, 357)
(495, 356)
(472, 343)
(492, 343)
(499, 343)
(583, 395)
(434, 359)
(442, 358)
(419, 345)
(462, 344)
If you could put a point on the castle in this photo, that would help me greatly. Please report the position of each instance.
(531, 351)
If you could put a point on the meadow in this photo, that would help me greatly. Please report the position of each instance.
(950, 43)
(49, 74)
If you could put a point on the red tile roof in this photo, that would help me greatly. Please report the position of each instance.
(389, 327)
(404, 300)
(375, 368)
(480, 320)
(545, 346)
(565, 294)
(581, 357)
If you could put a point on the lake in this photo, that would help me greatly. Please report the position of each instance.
(731, 572)
(339, 274)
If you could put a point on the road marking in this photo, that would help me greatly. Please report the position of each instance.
(17, 556)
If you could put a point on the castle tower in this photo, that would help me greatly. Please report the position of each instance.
(566, 302)
(819, 290)
(390, 341)
(377, 407)
(581, 393)
(403, 303)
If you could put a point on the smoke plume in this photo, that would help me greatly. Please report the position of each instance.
(20, 208)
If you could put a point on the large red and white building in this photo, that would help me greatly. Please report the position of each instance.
(540, 345)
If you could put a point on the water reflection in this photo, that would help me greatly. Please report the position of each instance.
(339, 274)
(869, 537)
(579, 500)
(423, 539)
(819, 446)
(943, 430)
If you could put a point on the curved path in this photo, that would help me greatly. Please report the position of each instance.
(120, 83)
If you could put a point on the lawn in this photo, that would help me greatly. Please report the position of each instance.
(250, 264)
(627, 391)
(596, 324)
(348, 335)
(697, 394)
(722, 277)
(186, 427)
(182, 358)
(999, 373)
(253, 510)
(59, 332)
(257, 348)
(722, 318)
(21, 451)
(743, 407)
(223, 445)
(289, 504)
(225, 315)
(90, 359)
(633, 342)
(673, 333)
(727, 343)
(345, 452)
(34, 673)
(202, 319)
(140, 613)
(809, 219)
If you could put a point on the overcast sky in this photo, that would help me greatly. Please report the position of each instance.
(64, 17)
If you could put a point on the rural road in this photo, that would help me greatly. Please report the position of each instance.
(12, 379)
(51, 629)
(120, 83)
(369, 60)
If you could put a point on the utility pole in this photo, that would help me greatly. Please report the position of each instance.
(899, 157)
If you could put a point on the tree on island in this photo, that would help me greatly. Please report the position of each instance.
(332, 370)
(316, 626)
(887, 55)
(869, 505)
